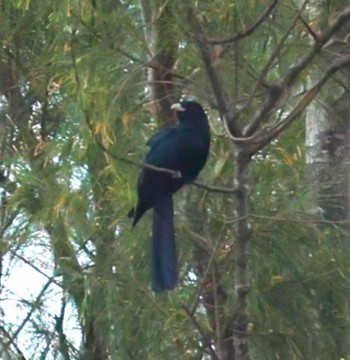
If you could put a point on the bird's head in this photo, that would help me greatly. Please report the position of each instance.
(189, 110)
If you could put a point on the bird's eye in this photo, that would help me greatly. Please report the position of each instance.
(192, 108)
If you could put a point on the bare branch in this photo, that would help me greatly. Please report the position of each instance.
(322, 39)
(206, 342)
(291, 75)
(309, 29)
(274, 91)
(241, 34)
(31, 311)
(63, 345)
(37, 269)
(204, 277)
(229, 112)
(301, 220)
(217, 189)
(262, 141)
(7, 335)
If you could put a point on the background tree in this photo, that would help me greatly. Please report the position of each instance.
(83, 84)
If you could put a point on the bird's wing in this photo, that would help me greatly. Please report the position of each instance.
(159, 136)
(165, 149)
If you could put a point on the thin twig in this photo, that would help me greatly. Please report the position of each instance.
(218, 334)
(214, 188)
(31, 311)
(309, 29)
(301, 220)
(207, 343)
(205, 275)
(74, 61)
(11, 342)
(275, 92)
(30, 263)
(63, 345)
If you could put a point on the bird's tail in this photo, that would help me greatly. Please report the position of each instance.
(164, 260)
(136, 214)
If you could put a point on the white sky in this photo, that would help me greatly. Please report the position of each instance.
(21, 282)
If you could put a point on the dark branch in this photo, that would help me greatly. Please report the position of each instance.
(242, 34)
(229, 112)
(215, 188)
(309, 29)
(31, 311)
(303, 219)
(206, 342)
(274, 91)
(291, 75)
(307, 99)
(11, 341)
(321, 40)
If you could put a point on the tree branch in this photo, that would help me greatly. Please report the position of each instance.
(309, 29)
(228, 111)
(275, 91)
(63, 345)
(31, 311)
(301, 220)
(211, 188)
(241, 34)
(206, 342)
(30, 263)
(291, 75)
(203, 279)
(11, 342)
(307, 99)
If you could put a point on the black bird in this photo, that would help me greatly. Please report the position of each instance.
(184, 149)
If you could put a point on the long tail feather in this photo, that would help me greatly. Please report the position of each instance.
(164, 260)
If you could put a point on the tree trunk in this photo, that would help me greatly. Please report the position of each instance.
(327, 140)
(243, 235)
(328, 173)
(162, 44)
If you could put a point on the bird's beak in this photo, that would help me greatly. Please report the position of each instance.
(177, 107)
